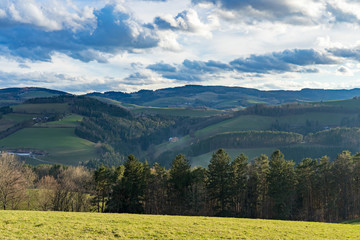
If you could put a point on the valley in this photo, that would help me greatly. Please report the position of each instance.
(70, 130)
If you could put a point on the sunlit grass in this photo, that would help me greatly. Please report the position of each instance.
(60, 225)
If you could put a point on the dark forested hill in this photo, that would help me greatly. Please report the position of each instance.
(11, 96)
(220, 97)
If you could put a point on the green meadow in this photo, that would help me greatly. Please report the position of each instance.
(180, 112)
(61, 225)
(60, 144)
(71, 120)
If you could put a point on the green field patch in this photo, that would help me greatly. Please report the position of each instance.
(347, 104)
(37, 94)
(60, 144)
(256, 122)
(68, 121)
(18, 117)
(8, 102)
(181, 112)
(241, 123)
(11, 119)
(62, 225)
(353, 221)
(5, 124)
(42, 108)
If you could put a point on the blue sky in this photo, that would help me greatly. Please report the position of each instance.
(127, 45)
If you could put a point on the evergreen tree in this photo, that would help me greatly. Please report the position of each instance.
(262, 168)
(306, 188)
(257, 201)
(157, 195)
(179, 183)
(128, 193)
(356, 186)
(239, 177)
(219, 183)
(324, 189)
(282, 182)
(197, 192)
(104, 178)
(343, 179)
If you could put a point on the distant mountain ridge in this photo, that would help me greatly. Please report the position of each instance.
(221, 97)
(193, 96)
(12, 96)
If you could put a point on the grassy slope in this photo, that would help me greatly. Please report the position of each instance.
(181, 112)
(255, 122)
(37, 94)
(350, 104)
(61, 144)
(60, 225)
(57, 139)
(68, 121)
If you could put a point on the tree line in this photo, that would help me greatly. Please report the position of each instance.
(267, 187)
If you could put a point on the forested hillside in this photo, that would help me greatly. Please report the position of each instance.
(106, 132)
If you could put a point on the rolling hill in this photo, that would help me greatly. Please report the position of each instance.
(71, 129)
(13, 96)
(220, 97)
(45, 132)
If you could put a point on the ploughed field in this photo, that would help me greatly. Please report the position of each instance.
(61, 225)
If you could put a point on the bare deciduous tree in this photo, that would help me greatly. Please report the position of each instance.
(72, 195)
(47, 188)
(13, 183)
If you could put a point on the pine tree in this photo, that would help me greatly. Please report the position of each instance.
(128, 193)
(219, 183)
(179, 183)
(239, 177)
(104, 179)
(306, 188)
(282, 182)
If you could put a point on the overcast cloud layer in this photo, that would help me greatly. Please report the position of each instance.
(127, 45)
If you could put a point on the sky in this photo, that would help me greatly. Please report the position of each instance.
(83, 46)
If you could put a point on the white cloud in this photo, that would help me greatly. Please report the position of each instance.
(95, 43)
(168, 41)
(50, 16)
(3, 13)
(186, 21)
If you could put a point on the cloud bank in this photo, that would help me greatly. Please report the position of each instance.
(34, 31)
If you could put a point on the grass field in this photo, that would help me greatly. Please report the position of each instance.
(71, 120)
(348, 104)
(181, 112)
(60, 144)
(11, 119)
(255, 122)
(61, 225)
(18, 117)
(37, 94)
(241, 123)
